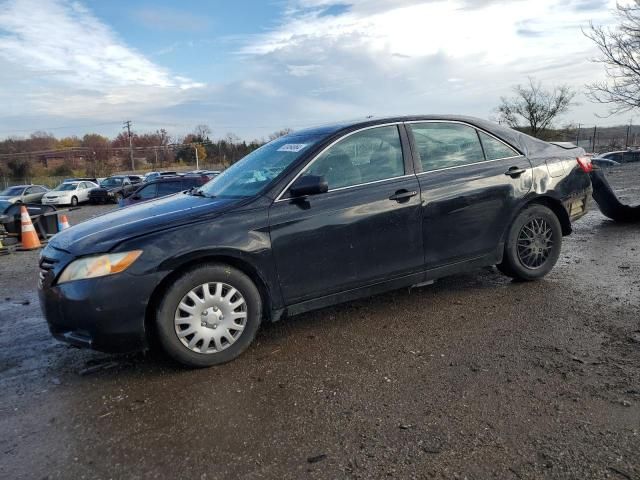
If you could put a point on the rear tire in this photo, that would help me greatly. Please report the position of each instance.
(533, 244)
(191, 322)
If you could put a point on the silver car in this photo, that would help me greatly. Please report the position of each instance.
(69, 193)
(23, 194)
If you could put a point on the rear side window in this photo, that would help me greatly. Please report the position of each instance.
(167, 188)
(495, 149)
(444, 145)
(617, 157)
(367, 156)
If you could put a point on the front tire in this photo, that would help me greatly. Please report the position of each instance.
(74, 201)
(209, 315)
(533, 244)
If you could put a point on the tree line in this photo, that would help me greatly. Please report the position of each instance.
(24, 157)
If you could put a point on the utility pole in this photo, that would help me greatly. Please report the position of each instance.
(127, 125)
(626, 143)
(578, 136)
(195, 147)
(593, 147)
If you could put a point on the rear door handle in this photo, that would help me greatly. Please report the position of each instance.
(515, 171)
(402, 195)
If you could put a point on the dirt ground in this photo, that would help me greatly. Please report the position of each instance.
(473, 377)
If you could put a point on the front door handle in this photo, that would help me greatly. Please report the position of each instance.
(402, 195)
(514, 172)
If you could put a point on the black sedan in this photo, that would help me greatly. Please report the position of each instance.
(114, 188)
(311, 219)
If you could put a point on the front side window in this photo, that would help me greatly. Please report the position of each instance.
(444, 145)
(167, 188)
(147, 192)
(495, 149)
(367, 156)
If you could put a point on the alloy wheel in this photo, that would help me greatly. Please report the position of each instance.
(210, 317)
(535, 243)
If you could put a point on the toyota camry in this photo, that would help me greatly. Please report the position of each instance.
(311, 219)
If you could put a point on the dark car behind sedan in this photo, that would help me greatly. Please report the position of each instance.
(311, 219)
(114, 188)
(162, 187)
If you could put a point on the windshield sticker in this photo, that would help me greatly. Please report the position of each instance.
(292, 147)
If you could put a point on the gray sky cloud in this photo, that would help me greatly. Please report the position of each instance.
(323, 60)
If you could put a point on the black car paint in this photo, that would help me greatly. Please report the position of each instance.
(106, 194)
(312, 252)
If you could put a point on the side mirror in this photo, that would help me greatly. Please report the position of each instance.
(309, 185)
(136, 197)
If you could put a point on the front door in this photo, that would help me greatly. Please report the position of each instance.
(364, 230)
(471, 182)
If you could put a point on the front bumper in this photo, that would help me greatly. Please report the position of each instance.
(101, 196)
(56, 201)
(106, 313)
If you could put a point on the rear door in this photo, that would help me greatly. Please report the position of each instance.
(471, 182)
(364, 230)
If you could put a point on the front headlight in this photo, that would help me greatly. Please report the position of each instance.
(98, 266)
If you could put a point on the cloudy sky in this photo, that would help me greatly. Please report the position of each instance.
(255, 66)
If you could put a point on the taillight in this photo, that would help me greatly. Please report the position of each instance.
(585, 164)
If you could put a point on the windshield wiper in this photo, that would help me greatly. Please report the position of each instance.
(196, 192)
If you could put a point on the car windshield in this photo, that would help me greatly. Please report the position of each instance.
(111, 182)
(248, 176)
(65, 187)
(11, 191)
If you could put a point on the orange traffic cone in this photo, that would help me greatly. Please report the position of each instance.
(64, 223)
(30, 240)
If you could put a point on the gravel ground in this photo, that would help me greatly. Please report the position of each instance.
(474, 377)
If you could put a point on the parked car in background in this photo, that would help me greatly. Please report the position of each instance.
(69, 193)
(23, 193)
(114, 188)
(153, 175)
(162, 187)
(621, 156)
(604, 162)
(311, 219)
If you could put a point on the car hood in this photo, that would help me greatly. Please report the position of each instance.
(8, 198)
(104, 232)
(106, 189)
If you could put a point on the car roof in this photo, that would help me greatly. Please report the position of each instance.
(525, 143)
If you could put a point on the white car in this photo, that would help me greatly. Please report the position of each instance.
(69, 193)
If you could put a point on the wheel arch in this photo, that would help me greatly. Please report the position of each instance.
(552, 204)
(556, 207)
(180, 266)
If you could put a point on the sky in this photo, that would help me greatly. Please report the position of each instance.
(252, 67)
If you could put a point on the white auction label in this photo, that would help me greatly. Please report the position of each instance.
(292, 147)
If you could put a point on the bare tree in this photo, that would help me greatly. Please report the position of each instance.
(535, 107)
(202, 131)
(620, 55)
(280, 133)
